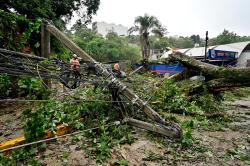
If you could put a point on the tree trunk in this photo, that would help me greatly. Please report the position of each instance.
(142, 47)
(217, 78)
(214, 72)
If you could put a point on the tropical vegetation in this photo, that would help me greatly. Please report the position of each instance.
(145, 25)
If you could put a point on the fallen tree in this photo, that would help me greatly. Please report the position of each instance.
(217, 78)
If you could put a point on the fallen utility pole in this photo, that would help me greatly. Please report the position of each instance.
(170, 129)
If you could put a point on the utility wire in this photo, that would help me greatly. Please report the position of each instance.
(100, 101)
(116, 123)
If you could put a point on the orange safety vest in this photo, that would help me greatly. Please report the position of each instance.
(74, 63)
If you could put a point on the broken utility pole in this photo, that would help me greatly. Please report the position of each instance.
(171, 129)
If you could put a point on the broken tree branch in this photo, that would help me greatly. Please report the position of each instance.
(212, 71)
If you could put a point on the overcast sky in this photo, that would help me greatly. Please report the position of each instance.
(181, 17)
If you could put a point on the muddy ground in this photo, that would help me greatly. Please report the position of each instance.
(227, 145)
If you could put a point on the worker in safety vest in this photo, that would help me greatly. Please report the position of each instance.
(75, 65)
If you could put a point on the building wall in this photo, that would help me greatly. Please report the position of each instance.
(104, 28)
(244, 59)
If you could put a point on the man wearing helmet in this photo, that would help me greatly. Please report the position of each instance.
(75, 66)
(116, 71)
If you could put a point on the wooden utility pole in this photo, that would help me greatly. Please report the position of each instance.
(45, 46)
(45, 41)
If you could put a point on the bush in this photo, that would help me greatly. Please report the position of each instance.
(32, 87)
(173, 99)
(5, 85)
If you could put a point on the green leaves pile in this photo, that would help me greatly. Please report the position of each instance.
(5, 85)
(33, 88)
(80, 115)
(172, 98)
(25, 86)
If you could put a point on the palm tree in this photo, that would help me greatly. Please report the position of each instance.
(144, 25)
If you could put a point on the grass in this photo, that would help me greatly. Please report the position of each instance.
(151, 156)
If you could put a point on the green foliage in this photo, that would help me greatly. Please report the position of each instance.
(159, 43)
(144, 25)
(34, 125)
(173, 99)
(49, 115)
(20, 21)
(58, 50)
(121, 163)
(181, 42)
(5, 84)
(52, 9)
(209, 103)
(151, 156)
(102, 140)
(227, 37)
(46, 62)
(16, 30)
(235, 94)
(241, 152)
(196, 39)
(188, 124)
(187, 139)
(23, 156)
(32, 87)
(212, 124)
(111, 48)
(95, 114)
(171, 117)
(27, 86)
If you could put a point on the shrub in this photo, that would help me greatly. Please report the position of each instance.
(32, 87)
(5, 85)
(172, 98)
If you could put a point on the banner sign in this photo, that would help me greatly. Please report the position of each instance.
(221, 55)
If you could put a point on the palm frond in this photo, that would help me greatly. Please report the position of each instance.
(133, 29)
(160, 31)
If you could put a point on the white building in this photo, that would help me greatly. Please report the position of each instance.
(104, 28)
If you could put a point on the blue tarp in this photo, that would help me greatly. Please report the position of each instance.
(171, 68)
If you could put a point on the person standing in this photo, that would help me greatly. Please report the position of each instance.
(75, 66)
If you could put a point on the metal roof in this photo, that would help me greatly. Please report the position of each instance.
(200, 51)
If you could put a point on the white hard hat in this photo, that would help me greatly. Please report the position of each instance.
(74, 55)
